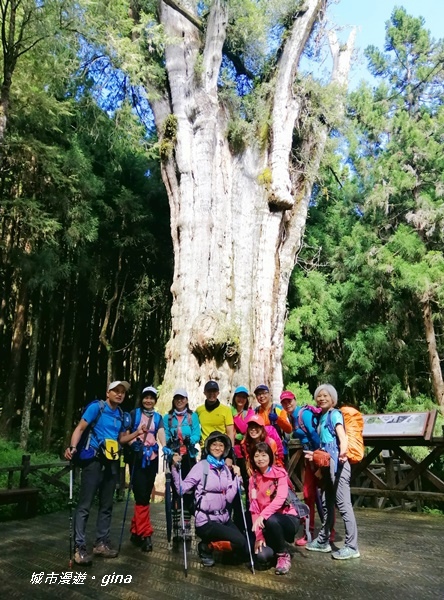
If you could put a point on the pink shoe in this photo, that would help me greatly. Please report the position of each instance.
(283, 564)
(301, 541)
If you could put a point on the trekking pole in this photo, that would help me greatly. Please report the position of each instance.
(71, 475)
(245, 525)
(182, 523)
(126, 505)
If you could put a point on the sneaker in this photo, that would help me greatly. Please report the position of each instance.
(206, 556)
(104, 550)
(81, 556)
(283, 564)
(345, 553)
(301, 541)
(315, 546)
(146, 545)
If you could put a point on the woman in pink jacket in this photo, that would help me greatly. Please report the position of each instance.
(275, 521)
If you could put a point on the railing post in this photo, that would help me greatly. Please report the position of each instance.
(26, 462)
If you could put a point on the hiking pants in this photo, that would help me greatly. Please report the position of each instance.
(278, 529)
(143, 483)
(214, 531)
(101, 476)
(337, 492)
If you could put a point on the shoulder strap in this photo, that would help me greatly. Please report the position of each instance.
(329, 424)
(205, 470)
(99, 414)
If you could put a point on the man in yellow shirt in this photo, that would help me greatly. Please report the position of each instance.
(214, 416)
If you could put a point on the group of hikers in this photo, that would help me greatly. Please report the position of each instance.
(241, 447)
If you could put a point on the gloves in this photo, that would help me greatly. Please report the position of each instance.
(186, 440)
(167, 452)
(273, 417)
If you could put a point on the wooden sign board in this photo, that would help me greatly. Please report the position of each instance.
(400, 425)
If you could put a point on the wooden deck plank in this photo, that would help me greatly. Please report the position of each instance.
(401, 559)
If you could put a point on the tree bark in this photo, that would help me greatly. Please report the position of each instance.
(235, 239)
(29, 389)
(18, 337)
(432, 348)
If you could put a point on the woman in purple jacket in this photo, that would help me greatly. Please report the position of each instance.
(214, 489)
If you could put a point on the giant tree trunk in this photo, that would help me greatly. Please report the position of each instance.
(435, 363)
(235, 238)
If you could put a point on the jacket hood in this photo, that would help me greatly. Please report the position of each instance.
(217, 435)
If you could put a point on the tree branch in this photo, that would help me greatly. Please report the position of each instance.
(191, 18)
(214, 42)
(286, 105)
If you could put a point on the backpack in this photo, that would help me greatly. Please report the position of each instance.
(354, 427)
(174, 443)
(84, 451)
(300, 422)
(130, 451)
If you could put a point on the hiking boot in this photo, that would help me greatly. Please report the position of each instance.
(136, 539)
(315, 546)
(345, 553)
(104, 550)
(206, 556)
(81, 556)
(146, 545)
(283, 564)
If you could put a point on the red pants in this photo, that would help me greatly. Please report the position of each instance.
(310, 490)
(140, 523)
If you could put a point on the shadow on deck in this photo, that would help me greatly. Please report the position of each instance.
(401, 559)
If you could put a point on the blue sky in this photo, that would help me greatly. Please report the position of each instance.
(370, 17)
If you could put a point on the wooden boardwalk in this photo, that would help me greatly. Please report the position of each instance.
(402, 559)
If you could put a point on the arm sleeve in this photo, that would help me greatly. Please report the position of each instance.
(191, 481)
(195, 429)
(91, 412)
(167, 428)
(283, 421)
(229, 417)
(312, 432)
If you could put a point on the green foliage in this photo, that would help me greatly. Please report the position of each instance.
(373, 252)
(51, 498)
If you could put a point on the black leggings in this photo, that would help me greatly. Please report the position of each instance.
(143, 481)
(278, 529)
(213, 531)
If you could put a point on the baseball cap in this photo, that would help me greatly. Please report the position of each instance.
(114, 384)
(241, 389)
(180, 392)
(261, 388)
(211, 385)
(256, 419)
(149, 389)
(287, 395)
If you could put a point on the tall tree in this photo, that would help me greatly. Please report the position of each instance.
(238, 173)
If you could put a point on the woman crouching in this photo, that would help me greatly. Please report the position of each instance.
(275, 521)
(215, 489)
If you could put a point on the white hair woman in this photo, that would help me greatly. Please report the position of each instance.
(335, 477)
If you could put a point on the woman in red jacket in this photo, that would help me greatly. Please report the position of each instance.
(275, 521)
